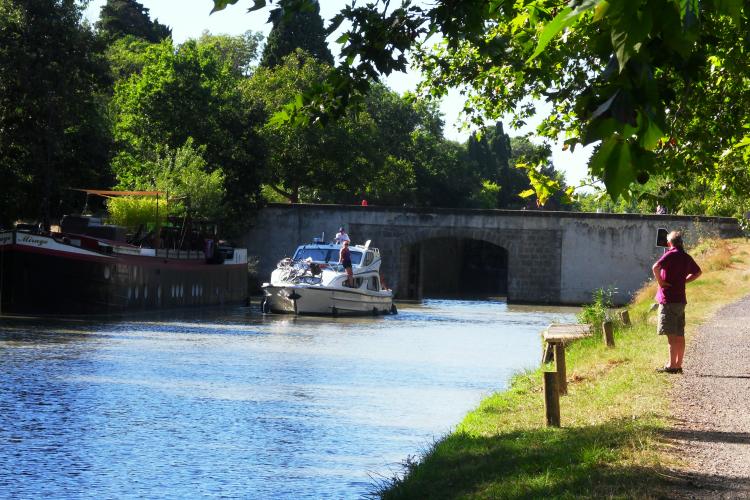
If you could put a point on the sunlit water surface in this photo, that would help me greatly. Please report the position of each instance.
(234, 404)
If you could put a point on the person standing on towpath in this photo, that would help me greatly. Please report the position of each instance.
(672, 271)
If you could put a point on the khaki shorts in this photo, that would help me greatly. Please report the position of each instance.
(671, 319)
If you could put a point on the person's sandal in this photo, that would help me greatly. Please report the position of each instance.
(668, 369)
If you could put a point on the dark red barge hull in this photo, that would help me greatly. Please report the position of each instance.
(42, 275)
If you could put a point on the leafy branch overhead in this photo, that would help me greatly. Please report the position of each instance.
(616, 72)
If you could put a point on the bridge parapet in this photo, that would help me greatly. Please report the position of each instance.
(552, 257)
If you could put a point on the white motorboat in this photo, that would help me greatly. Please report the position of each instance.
(313, 282)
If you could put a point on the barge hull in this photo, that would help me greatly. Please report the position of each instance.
(51, 279)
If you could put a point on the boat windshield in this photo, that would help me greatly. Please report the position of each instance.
(325, 255)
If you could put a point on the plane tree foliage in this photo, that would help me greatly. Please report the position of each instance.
(617, 73)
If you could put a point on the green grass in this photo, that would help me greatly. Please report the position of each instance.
(611, 443)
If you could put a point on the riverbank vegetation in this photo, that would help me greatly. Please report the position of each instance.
(612, 440)
(100, 106)
(121, 105)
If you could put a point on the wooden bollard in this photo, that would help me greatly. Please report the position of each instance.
(608, 331)
(562, 381)
(551, 399)
(625, 317)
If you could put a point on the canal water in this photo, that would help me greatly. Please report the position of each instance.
(235, 404)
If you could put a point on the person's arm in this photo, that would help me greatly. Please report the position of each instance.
(695, 272)
(693, 276)
(656, 269)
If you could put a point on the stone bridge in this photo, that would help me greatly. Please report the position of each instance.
(527, 256)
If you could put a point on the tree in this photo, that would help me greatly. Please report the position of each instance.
(192, 91)
(309, 163)
(53, 131)
(239, 51)
(614, 71)
(120, 18)
(296, 29)
(196, 190)
(541, 180)
(126, 56)
(491, 153)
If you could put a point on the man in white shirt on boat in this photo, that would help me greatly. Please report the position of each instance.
(341, 236)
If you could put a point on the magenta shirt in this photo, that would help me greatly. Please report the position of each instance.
(676, 265)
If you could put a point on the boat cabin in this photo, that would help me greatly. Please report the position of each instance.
(328, 253)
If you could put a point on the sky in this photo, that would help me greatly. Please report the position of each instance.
(189, 18)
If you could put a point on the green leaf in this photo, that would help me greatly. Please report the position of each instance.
(257, 5)
(279, 118)
(601, 10)
(222, 4)
(598, 161)
(649, 133)
(629, 31)
(613, 163)
(565, 18)
(527, 193)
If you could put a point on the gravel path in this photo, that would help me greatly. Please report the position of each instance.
(711, 407)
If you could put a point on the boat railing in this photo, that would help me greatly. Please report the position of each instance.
(170, 253)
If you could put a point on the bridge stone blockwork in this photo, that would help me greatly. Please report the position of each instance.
(553, 257)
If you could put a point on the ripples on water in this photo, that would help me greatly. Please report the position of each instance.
(235, 404)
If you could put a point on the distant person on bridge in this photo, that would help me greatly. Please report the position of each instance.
(341, 236)
(672, 271)
(345, 259)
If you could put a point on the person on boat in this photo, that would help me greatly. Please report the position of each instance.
(345, 259)
(341, 236)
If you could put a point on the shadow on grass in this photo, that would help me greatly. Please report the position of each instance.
(535, 463)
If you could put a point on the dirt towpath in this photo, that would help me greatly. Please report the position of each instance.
(711, 407)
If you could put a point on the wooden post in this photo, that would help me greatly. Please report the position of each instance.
(625, 317)
(551, 399)
(562, 382)
(608, 333)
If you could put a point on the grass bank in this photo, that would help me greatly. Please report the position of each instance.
(610, 443)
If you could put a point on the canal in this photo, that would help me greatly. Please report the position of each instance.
(233, 404)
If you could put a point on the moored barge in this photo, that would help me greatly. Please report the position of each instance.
(77, 273)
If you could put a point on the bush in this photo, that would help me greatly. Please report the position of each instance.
(132, 212)
(598, 311)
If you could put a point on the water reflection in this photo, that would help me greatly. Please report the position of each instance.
(236, 404)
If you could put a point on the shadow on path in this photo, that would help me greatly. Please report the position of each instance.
(707, 436)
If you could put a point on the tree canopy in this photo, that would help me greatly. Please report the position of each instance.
(120, 18)
(52, 130)
(296, 29)
(622, 74)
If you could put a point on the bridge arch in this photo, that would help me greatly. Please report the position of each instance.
(446, 262)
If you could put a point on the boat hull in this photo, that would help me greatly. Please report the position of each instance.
(41, 276)
(321, 300)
